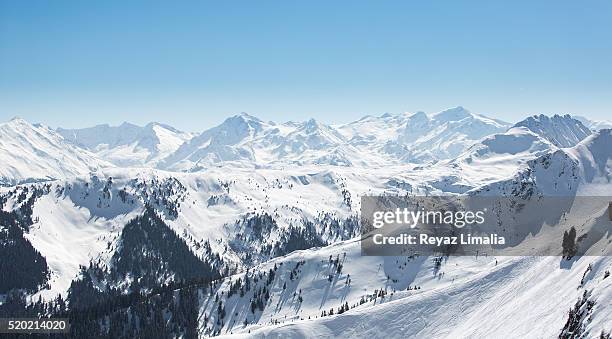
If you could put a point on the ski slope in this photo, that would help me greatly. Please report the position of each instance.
(501, 297)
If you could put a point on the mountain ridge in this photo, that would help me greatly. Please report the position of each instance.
(33, 152)
(562, 131)
(128, 144)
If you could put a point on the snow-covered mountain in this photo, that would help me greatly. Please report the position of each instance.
(451, 132)
(228, 142)
(270, 213)
(594, 157)
(495, 157)
(128, 144)
(35, 152)
(561, 131)
(246, 141)
(594, 125)
(418, 137)
(585, 169)
(499, 156)
(518, 142)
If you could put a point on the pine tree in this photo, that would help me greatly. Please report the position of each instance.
(569, 243)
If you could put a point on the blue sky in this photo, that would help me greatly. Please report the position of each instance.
(193, 63)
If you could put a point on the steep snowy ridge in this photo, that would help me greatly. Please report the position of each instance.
(584, 169)
(310, 135)
(128, 144)
(562, 131)
(36, 152)
(382, 128)
(595, 157)
(499, 156)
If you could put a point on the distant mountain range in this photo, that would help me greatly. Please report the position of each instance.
(248, 142)
(128, 144)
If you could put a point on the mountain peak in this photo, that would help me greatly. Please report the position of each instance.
(16, 121)
(151, 126)
(16, 118)
(418, 116)
(311, 124)
(241, 122)
(126, 124)
(19, 124)
(452, 114)
(246, 116)
(242, 119)
(562, 131)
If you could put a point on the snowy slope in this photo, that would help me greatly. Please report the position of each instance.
(500, 155)
(594, 125)
(128, 144)
(595, 157)
(69, 236)
(36, 152)
(562, 131)
(216, 205)
(466, 297)
(584, 169)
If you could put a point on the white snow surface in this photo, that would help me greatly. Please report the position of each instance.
(494, 297)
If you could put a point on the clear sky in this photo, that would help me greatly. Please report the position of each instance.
(193, 63)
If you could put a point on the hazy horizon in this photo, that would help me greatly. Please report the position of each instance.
(202, 128)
